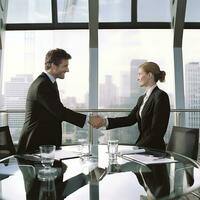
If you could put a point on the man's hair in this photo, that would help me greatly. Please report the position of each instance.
(55, 56)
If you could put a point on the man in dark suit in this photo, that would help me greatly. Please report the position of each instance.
(44, 110)
(151, 111)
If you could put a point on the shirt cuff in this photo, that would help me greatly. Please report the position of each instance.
(86, 121)
(107, 123)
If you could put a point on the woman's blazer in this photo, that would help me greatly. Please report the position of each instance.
(153, 122)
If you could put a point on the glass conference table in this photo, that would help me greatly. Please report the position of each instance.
(164, 176)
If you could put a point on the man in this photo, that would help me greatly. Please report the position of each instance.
(44, 110)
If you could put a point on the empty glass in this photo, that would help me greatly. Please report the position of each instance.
(113, 149)
(84, 147)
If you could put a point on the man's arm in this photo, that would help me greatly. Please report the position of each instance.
(48, 98)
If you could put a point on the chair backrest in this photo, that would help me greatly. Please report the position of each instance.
(6, 144)
(184, 141)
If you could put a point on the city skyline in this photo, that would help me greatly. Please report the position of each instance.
(17, 87)
(119, 54)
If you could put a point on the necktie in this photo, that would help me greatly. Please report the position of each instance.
(56, 88)
(55, 85)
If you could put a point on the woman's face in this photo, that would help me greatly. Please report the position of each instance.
(144, 79)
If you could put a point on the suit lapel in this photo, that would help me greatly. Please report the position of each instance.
(149, 101)
(55, 88)
(139, 105)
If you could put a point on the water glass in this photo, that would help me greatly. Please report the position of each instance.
(113, 149)
(84, 147)
(47, 153)
(113, 167)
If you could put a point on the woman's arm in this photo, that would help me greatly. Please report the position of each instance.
(129, 120)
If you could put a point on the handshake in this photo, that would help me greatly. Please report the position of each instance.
(97, 121)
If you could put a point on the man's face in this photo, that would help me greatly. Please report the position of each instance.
(60, 70)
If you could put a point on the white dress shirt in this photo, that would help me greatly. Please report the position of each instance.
(52, 79)
(148, 93)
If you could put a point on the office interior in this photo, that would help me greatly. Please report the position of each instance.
(108, 40)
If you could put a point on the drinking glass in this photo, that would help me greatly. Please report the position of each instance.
(84, 147)
(113, 167)
(113, 149)
(47, 153)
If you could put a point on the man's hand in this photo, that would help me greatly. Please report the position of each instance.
(97, 121)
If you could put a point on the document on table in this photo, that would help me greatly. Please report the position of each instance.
(131, 151)
(63, 154)
(148, 159)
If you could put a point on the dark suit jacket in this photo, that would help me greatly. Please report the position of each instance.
(154, 122)
(44, 114)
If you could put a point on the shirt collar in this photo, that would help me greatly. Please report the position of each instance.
(149, 91)
(52, 79)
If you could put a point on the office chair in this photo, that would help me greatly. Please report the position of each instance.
(184, 141)
(6, 144)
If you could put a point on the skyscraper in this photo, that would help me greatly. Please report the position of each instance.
(15, 98)
(16, 91)
(124, 88)
(192, 93)
(108, 93)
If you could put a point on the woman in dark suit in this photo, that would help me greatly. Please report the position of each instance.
(151, 112)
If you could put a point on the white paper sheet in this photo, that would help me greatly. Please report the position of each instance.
(63, 154)
(131, 151)
(149, 159)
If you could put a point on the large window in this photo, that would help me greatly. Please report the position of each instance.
(24, 56)
(24, 60)
(120, 54)
(72, 10)
(29, 11)
(114, 11)
(154, 11)
(109, 11)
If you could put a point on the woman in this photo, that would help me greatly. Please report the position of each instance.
(151, 112)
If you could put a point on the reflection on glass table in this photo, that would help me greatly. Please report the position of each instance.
(47, 154)
(99, 178)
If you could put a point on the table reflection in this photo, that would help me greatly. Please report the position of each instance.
(98, 178)
(38, 186)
